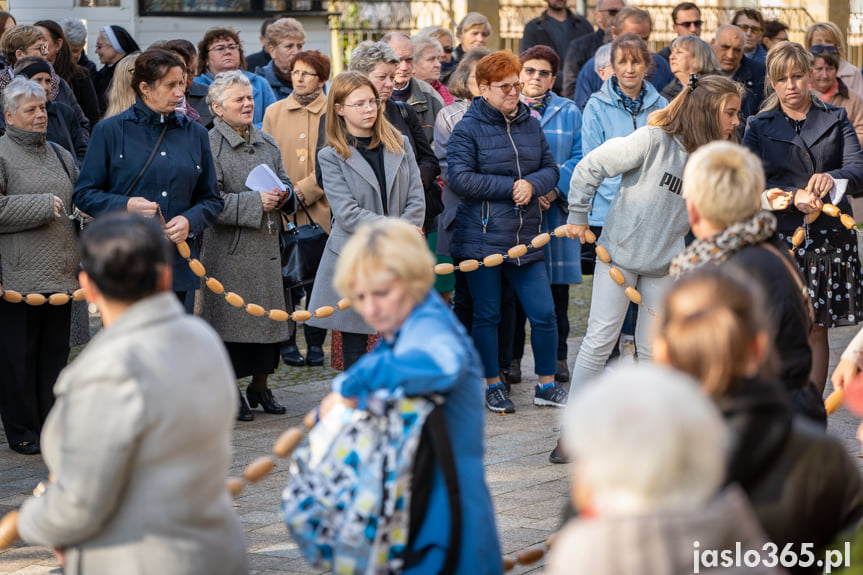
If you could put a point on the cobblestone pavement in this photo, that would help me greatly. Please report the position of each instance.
(529, 492)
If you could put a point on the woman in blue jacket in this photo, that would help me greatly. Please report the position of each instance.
(807, 147)
(180, 183)
(385, 269)
(499, 166)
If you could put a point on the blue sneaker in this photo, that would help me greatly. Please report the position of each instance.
(497, 400)
(551, 394)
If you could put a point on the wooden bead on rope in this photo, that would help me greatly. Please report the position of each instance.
(517, 251)
(258, 469)
(549, 543)
(798, 237)
(215, 286)
(831, 210)
(344, 304)
(468, 265)
(492, 260)
(617, 276)
(197, 268)
(847, 221)
(35, 299)
(310, 419)
(59, 299)
(78, 295)
(834, 401)
(278, 315)
(255, 310)
(287, 442)
(324, 311)
(235, 486)
(811, 217)
(508, 563)
(13, 296)
(9, 529)
(529, 556)
(234, 299)
(603, 255)
(633, 295)
(301, 316)
(540, 240)
(184, 250)
(444, 269)
(589, 236)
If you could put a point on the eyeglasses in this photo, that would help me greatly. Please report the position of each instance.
(694, 23)
(303, 73)
(99, 46)
(507, 88)
(819, 48)
(448, 49)
(542, 73)
(224, 48)
(747, 28)
(43, 49)
(369, 105)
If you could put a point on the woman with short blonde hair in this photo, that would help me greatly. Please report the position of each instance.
(120, 93)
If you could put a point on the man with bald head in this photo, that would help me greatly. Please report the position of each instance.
(582, 49)
(630, 20)
(728, 45)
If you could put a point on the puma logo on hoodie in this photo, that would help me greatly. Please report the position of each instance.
(673, 182)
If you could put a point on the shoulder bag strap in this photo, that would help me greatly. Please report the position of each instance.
(62, 163)
(149, 161)
(308, 215)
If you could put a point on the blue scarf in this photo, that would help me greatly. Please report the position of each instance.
(632, 106)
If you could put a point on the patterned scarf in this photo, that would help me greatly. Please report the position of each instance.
(538, 105)
(632, 106)
(719, 247)
(306, 100)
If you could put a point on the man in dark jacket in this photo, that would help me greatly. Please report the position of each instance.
(686, 20)
(555, 28)
(728, 46)
(262, 58)
(582, 49)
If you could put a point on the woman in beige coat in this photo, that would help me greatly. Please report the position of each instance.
(139, 441)
(241, 250)
(294, 123)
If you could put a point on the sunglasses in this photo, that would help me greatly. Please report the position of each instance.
(695, 23)
(747, 28)
(611, 13)
(448, 49)
(819, 48)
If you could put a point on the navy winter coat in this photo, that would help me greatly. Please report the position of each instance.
(827, 143)
(487, 152)
(182, 177)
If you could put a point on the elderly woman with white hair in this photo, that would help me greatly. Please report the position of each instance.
(648, 461)
(37, 243)
(242, 247)
(427, 64)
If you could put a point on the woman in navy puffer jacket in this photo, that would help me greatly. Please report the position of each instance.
(499, 165)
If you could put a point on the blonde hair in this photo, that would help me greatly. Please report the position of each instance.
(830, 29)
(694, 114)
(708, 323)
(284, 28)
(121, 95)
(386, 249)
(781, 59)
(472, 20)
(337, 131)
(724, 181)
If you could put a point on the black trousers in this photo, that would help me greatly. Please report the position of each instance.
(34, 348)
(353, 347)
(315, 336)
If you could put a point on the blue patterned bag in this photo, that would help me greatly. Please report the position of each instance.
(348, 501)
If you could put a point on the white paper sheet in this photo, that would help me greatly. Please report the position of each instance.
(263, 178)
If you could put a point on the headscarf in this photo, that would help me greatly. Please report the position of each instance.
(120, 40)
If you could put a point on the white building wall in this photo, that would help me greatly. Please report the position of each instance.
(149, 29)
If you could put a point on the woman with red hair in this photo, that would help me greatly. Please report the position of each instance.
(499, 166)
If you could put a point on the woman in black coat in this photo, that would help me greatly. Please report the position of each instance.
(808, 148)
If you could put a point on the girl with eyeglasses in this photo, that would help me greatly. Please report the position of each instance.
(500, 165)
(826, 37)
(369, 173)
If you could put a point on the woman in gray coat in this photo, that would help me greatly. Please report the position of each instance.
(369, 173)
(139, 441)
(37, 255)
(241, 250)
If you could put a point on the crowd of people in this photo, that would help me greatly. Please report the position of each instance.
(696, 169)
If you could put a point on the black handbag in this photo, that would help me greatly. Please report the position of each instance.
(302, 248)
